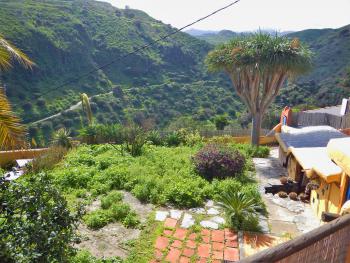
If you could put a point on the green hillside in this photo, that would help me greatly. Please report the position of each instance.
(326, 84)
(219, 37)
(69, 38)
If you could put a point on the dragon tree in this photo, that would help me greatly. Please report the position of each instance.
(258, 66)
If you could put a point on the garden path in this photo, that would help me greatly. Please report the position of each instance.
(286, 217)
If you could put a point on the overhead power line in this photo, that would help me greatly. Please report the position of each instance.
(137, 49)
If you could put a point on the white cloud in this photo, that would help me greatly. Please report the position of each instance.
(247, 14)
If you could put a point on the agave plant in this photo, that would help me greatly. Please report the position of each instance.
(62, 138)
(85, 103)
(12, 133)
(241, 210)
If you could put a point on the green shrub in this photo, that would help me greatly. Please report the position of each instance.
(142, 192)
(119, 211)
(96, 219)
(189, 137)
(84, 256)
(36, 224)
(173, 139)
(155, 138)
(134, 138)
(110, 199)
(131, 220)
(80, 193)
(253, 151)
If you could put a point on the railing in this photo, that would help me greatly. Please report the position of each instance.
(230, 132)
(329, 243)
(317, 118)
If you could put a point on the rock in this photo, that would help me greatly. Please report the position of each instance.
(161, 215)
(176, 214)
(209, 224)
(198, 210)
(210, 203)
(213, 211)
(187, 221)
(263, 223)
(218, 219)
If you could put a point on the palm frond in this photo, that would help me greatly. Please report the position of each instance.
(12, 132)
(9, 52)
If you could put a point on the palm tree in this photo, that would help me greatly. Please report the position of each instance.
(240, 209)
(259, 65)
(9, 53)
(12, 133)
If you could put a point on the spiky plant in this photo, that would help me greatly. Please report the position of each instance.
(62, 138)
(12, 133)
(85, 103)
(259, 66)
(240, 209)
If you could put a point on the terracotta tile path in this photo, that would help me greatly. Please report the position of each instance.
(177, 244)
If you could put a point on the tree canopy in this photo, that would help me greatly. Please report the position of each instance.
(258, 65)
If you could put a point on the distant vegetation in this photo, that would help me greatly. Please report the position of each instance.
(162, 84)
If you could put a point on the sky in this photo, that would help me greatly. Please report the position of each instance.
(280, 15)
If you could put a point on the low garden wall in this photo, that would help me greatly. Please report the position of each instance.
(9, 156)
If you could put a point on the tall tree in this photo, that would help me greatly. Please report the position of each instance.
(12, 133)
(259, 65)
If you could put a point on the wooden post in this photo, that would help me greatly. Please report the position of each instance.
(343, 189)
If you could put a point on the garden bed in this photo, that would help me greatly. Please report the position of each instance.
(163, 176)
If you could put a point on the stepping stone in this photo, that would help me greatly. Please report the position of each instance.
(187, 221)
(161, 215)
(209, 224)
(213, 211)
(198, 210)
(209, 203)
(176, 214)
(218, 219)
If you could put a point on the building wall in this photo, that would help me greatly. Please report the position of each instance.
(7, 157)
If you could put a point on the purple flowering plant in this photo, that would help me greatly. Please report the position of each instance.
(218, 161)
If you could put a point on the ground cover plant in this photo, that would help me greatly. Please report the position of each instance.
(161, 175)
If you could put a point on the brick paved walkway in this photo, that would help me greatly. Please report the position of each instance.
(177, 244)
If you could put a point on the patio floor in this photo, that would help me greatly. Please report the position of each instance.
(178, 244)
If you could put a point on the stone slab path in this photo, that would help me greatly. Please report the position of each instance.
(286, 217)
(210, 216)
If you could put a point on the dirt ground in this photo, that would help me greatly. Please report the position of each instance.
(110, 240)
